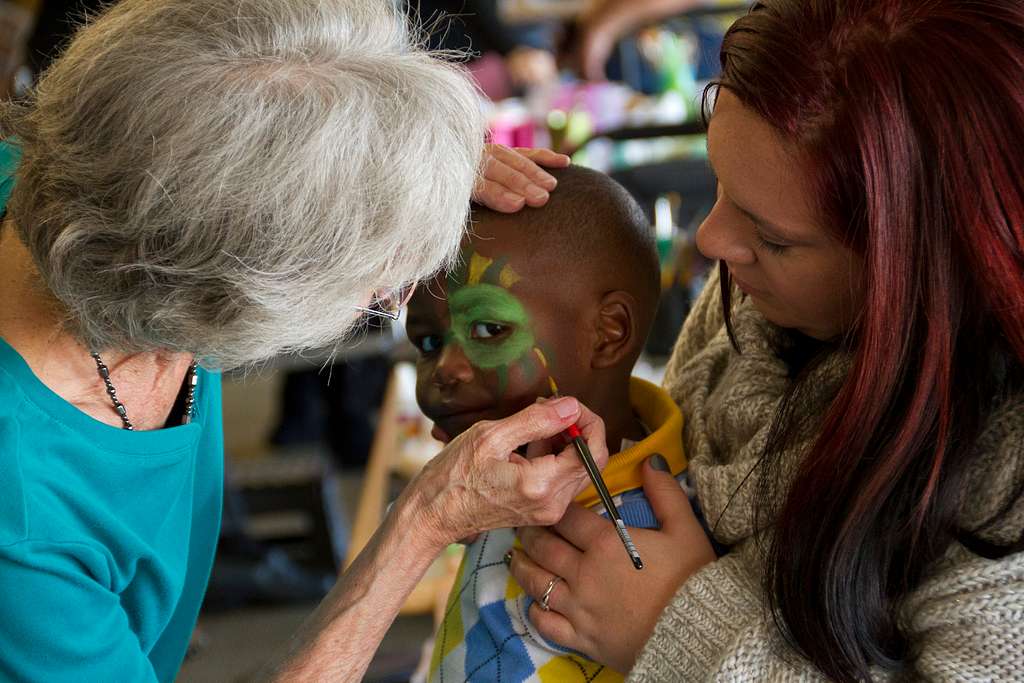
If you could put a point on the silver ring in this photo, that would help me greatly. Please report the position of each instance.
(547, 594)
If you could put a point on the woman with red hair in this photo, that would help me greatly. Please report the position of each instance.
(852, 377)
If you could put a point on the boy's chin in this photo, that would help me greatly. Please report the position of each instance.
(439, 434)
(453, 425)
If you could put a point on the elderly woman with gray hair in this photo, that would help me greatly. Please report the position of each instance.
(204, 184)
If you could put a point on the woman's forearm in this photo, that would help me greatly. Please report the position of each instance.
(339, 639)
(473, 485)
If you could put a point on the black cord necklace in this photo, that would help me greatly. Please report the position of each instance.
(191, 380)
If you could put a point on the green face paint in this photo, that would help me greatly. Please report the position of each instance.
(470, 306)
(479, 298)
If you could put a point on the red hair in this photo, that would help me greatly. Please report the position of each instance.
(909, 118)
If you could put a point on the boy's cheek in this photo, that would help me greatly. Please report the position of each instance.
(426, 396)
(520, 393)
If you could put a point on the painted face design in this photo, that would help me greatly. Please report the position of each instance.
(487, 320)
(479, 354)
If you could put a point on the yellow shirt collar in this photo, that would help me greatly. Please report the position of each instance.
(662, 416)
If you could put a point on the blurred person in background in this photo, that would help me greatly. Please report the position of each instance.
(477, 26)
(603, 23)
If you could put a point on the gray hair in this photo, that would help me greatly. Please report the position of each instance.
(230, 177)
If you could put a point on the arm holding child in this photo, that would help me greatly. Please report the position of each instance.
(579, 548)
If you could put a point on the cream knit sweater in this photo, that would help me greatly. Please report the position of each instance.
(966, 620)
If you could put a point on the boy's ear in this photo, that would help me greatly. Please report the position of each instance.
(616, 330)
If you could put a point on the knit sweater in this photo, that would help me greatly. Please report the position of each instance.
(965, 621)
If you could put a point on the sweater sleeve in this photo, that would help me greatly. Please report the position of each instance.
(703, 626)
(965, 623)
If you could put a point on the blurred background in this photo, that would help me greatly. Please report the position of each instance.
(317, 445)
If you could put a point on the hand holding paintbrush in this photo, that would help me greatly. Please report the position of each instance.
(576, 437)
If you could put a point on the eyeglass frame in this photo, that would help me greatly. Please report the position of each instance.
(396, 298)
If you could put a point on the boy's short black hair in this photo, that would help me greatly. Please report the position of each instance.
(592, 227)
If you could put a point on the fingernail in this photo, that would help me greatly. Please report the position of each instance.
(659, 463)
(566, 407)
(549, 181)
(536, 193)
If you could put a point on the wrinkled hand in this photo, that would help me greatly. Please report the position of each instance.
(478, 482)
(600, 585)
(512, 178)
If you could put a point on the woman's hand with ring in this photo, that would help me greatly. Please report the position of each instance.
(479, 482)
(512, 178)
(545, 599)
(599, 585)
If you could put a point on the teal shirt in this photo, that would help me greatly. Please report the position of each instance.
(9, 156)
(107, 536)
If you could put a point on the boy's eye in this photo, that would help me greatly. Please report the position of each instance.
(428, 343)
(483, 330)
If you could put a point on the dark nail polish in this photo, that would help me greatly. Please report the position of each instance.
(659, 463)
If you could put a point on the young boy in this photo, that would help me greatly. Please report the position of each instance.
(565, 292)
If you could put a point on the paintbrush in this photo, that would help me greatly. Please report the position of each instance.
(574, 433)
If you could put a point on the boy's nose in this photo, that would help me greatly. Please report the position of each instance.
(453, 367)
(723, 237)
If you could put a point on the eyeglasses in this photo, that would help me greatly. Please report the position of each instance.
(388, 303)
